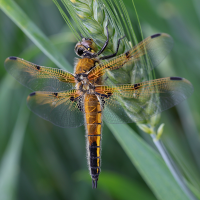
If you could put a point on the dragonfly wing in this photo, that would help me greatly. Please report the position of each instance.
(138, 102)
(62, 109)
(39, 78)
(154, 49)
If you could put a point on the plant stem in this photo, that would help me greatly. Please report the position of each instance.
(172, 167)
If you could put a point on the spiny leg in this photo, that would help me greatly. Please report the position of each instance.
(106, 43)
(114, 54)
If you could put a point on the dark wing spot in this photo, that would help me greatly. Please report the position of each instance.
(176, 78)
(72, 98)
(32, 94)
(55, 94)
(104, 95)
(13, 58)
(136, 86)
(109, 94)
(155, 35)
(37, 67)
(127, 54)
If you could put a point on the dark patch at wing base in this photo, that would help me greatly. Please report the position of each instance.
(136, 86)
(72, 98)
(55, 94)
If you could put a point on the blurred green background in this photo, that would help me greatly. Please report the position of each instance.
(42, 161)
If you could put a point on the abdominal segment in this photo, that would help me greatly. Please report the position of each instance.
(93, 127)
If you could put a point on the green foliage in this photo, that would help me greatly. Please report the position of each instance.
(51, 156)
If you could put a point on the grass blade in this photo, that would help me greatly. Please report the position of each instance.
(148, 163)
(9, 168)
(14, 12)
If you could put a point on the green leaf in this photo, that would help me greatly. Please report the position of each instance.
(9, 168)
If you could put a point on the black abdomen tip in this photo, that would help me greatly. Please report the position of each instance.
(13, 58)
(32, 94)
(176, 78)
(94, 184)
(155, 35)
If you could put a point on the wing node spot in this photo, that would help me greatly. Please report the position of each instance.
(127, 54)
(55, 94)
(136, 86)
(72, 98)
(37, 67)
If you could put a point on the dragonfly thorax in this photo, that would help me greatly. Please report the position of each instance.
(83, 84)
(82, 77)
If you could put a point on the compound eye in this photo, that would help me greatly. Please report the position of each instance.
(80, 52)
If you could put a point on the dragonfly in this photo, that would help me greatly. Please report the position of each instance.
(86, 97)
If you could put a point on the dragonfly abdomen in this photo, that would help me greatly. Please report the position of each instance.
(93, 126)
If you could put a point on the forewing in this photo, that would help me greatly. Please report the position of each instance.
(39, 78)
(138, 102)
(63, 109)
(154, 49)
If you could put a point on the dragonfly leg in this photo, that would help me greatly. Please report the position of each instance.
(114, 54)
(106, 43)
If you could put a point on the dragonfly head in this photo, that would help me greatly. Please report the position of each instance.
(86, 48)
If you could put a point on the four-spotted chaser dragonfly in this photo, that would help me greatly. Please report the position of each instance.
(71, 100)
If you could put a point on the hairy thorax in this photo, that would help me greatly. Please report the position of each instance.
(82, 68)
